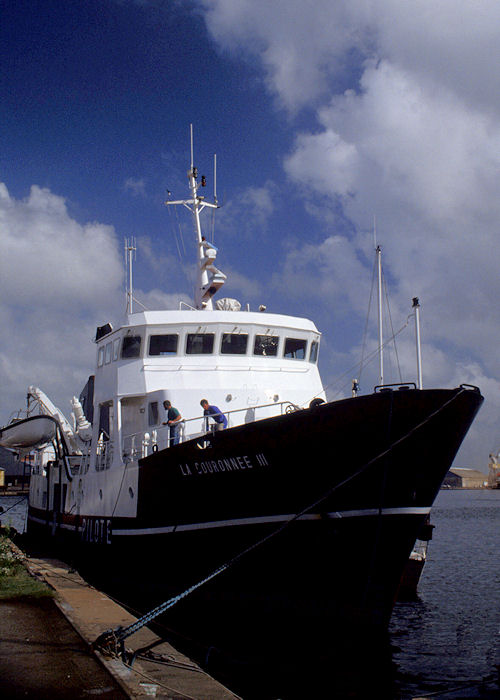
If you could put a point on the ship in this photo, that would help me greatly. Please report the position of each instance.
(275, 513)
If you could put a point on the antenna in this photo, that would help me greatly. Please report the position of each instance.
(192, 148)
(215, 178)
(130, 249)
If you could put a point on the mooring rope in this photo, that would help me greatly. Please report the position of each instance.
(13, 506)
(116, 637)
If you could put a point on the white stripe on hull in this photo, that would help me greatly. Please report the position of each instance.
(261, 520)
(266, 519)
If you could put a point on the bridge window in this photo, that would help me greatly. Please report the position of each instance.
(295, 348)
(313, 354)
(234, 343)
(116, 349)
(100, 356)
(163, 344)
(200, 343)
(109, 353)
(266, 345)
(131, 346)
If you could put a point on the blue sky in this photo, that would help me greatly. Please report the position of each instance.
(325, 117)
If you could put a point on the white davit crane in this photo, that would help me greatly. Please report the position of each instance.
(46, 407)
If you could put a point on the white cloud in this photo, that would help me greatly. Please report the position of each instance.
(57, 277)
(406, 105)
(306, 48)
(427, 166)
(246, 288)
(156, 299)
(135, 185)
(59, 280)
(48, 259)
(327, 271)
(247, 215)
(301, 45)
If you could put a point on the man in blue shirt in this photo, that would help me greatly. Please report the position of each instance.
(215, 413)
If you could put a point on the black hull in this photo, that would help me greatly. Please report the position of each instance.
(363, 473)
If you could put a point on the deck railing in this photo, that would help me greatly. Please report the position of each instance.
(139, 445)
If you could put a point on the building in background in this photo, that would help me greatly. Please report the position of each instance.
(463, 478)
(16, 472)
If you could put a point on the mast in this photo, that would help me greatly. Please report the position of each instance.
(378, 251)
(130, 248)
(208, 278)
(416, 306)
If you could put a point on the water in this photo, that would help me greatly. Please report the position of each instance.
(14, 512)
(444, 645)
(450, 636)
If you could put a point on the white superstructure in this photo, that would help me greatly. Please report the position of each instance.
(250, 364)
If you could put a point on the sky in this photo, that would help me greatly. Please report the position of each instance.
(337, 127)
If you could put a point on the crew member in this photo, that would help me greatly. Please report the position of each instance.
(173, 421)
(215, 413)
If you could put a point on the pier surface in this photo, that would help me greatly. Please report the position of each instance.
(46, 648)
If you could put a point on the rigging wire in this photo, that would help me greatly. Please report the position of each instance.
(180, 231)
(366, 362)
(384, 281)
(187, 269)
(365, 332)
(176, 238)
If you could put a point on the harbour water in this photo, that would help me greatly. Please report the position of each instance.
(449, 639)
(445, 644)
(14, 511)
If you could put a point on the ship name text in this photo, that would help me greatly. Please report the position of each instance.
(96, 530)
(229, 464)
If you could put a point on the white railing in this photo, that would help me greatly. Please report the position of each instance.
(104, 456)
(139, 445)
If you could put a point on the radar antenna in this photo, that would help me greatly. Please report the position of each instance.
(209, 279)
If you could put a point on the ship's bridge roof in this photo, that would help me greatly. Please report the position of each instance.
(204, 318)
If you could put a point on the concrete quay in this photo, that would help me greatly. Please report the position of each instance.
(89, 613)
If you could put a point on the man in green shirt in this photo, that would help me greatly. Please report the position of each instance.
(173, 421)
